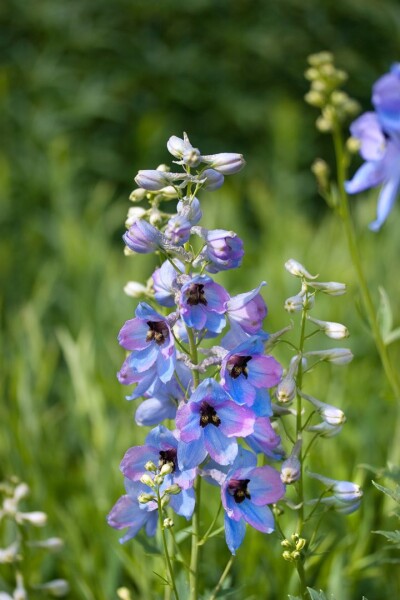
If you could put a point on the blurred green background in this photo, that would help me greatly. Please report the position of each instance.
(89, 94)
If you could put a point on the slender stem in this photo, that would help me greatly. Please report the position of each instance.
(209, 530)
(302, 577)
(194, 557)
(355, 256)
(299, 426)
(165, 546)
(222, 578)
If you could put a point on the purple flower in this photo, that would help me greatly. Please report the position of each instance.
(378, 134)
(165, 284)
(245, 371)
(128, 512)
(224, 250)
(213, 180)
(155, 179)
(209, 423)
(149, 338)
(248, 310)
(178, 230)
(202, 304)
(143, 237)
(226, 163)
(245, 494)
(161, 447)
(190, 210)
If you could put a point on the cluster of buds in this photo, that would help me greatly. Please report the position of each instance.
(13, 553)
(330, 418)
(293, 547)
(325, 93)
(160, 493)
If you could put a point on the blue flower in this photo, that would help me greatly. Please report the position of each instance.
(143, 237)
(149, 338)
(379, 135)
(202, 304)
(209, 424)
(245, 494)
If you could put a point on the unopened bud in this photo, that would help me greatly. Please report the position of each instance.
(135, 289)
(124, 594)
(147, 480)
(294, 304)
(166, 469)
(191, 157)
(134, 213)
(290, 470)
(226, 163)
(314, 98)
(138, 195)
(213, 180)
(53, 544)
(21, 491)
(155, 180)
(331, 288)
(335, 331)
(286, 544)
(158, 479)
(165, 500)
(353, 145)
(150, 466)
(300, 544)
(325, 430)
(9, 554)
(145, 498)
(295, 268)
(168, 523)
(56, 588)
(336, 356)
(320, 58)
(295, 555)
(287, 555)
(323, 124)
(286, 390)
(173, 489)
(36, 518)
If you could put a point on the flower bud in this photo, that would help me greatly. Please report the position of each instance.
(213, 180)
(155, 179)
(324, 429)
(36, 518)
(145, 498)
(143, 237)
(124, 594)
(176, 146)
(21, 491)
(158, 479)
(343, 491)
(56, 588)
(168, 523)
(331, 288)
(166, 469)
(295, 268)
(147, 480)
(337, 356)
(134, 213)
(290, 470)
(173, 489)
(150, 466)
(226, 163)
(191, 157)
(53, 544)
(287, 555)
(9, 554)
(286, 390)
(294, 303)
(135, 289)
(165, 500)
(138, 195)
(335, 331)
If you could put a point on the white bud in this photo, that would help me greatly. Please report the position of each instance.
(147, 480)
(324, 429)
(9, 554)
(138, 195)
(337, 356)
(286, 390)
(290, 470)
(335, 331)
(173, 489)
(294, 303)
(53, 544)
(36, 518)
(176, 146)
(166, 469)
(150, 466)
(21, 491)
(124, 594)
(134, 289)
(295, 268)
(168, 523)
(158, 479)
(56, 588)
(330, 414)
(331, 288)
(191, 157)
(154, 180)
(165, 500)
(134, 213)
(145, 498)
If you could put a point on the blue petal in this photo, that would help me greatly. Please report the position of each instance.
(192, 454)
(222, 449)
(386, 201)
(183, 504)
(153, 411)
(370, 174)
(234, 533)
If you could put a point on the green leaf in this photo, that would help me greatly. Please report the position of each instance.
(394, 494)
(385, 315)
(314, 595)
(392, 536)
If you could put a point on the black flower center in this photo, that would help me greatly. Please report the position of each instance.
(238, 489)
(168, 457)
(158, 331)
(195, 294)
(208, 415)
(237, 365)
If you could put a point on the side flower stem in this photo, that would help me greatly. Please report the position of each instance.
(222, 578)
(165, 546)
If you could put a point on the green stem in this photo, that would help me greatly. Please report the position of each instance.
(194, 557)
(302, 577)
(222, 578)
(165, 546)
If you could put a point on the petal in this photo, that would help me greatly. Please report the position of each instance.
(133, 335)
(370, 174)
(191, 455)
(132, 465)
(162, 438)
(236, 420)
(154, 410)
(259, 517)
(265, 486)
(234, 533)
(264, 371)
(183, 504)
(188, 422)
(222, 449)
(386, 201)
